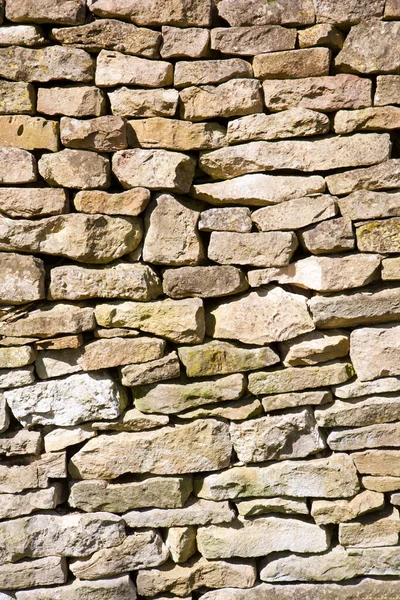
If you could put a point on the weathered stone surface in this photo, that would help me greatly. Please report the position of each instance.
(234, 411)
(333, 477)
(367, 119)
(115, 68)
(385, 175)
(120, 588)
(379, 236)
(363, 205)
(59, 439)
(160, 492)
(231, 99)
(55, 363)
(195, 512)
(60, 343)
(357, 412)
(268, 249)
(4, 414)
(371, 436)
(51, 570)
(105, 354)
(197, 446)
(268, 315)
(191, 42)
(126, 102)
(132, 420)
(391, 9)
(369, 48)
(130, 203)
(50, 320)
(371, 531)
(204, 282)
(181, 321)
(381, 484)
(84, 238)
(46, 64)
(301, 155)
(387, 90)
(338, 511)
(170, 398)
(363, 388)
(66, 535)
(29, 502)
(348, 13)
(17, 166)
(14, 443)
(260, 506)
(219, 358)
(181, 543)
(210, 71)
(140, 550)
(22, 278)
(295, 399)
(182, 13)
(261, 536)
(32, 202)
(17, 97)
(295, 214)
(315, 347)
(300, 378)
(11, 378)
(131, 281)
(390, 269)
(374, 351)
(378, 462)
(292, 64)
(226, 219)
(22, 35)
(103, 134)
(154, 169)
(72, 101)
(152, 371)
(65, 12)
(258, 189)
(256, 12)
(295, 122)
(29, 473)
(323, 273)
(110, 34)
(29, 133)
(277, 437)
(75, 169)
(323, 34)
(328, 94)
(103, 333)
(69, 401)
(176, 135)
(18, 356)
(195, 574)
(252, 40)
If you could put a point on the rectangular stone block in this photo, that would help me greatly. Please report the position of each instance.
(115, 68)
(17, 97)
(181, 13)
(64, 12)
(387, 90)
(252, 40)
(72, 101)
(378, 177)
(30, 473)
(256, 249)
(176, 135)
(17, 166)
(285, 12)
(191, 42)
(292, 64)
(43, 571)
(206, 72)
(143, 103)
(103, 134)
(29, 133)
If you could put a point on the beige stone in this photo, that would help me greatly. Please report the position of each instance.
(385, 175)
(127, 102)
(106, 354)
(51, 570)
(22, 278)
(29, 502)
(181, 543)
(72, 101)
(292, 64)
(381, 484)
(375, 351)
(273, 248)
(33, 202)
(14, 357)
(252, 40)
(65, 12)
(75, 169)
(191, 42)
(132, 420)
(260, 506)
(315, 347)
(226, 219)
(295, 214)
(387, 89)
(390, 269)
(325, 512)
(59, 439)
(295, 399)
(17, 97)
(357, 412)
(210, 71)
(50, 320)
(103, 333)
(115, 68)
(182, 13)
(27, 473)
(11, 378)
(322, 34)
(364, 388)
(173, 134)
(379, 463)
(363, 205)
(55, 363)
(22, 35)
(152, 371)
(29, 133)
(233, 411)
(284, 12)
(103, 134)
(195, 512)
(349, 13)
(379, 236)
(119, 588)
(371, 436)
(130, 203)
(391, 9)
(367, 119)
(4, 414)
(17, 166)
(60, 343)
(15, 443)
(371, 531)
(204, 282)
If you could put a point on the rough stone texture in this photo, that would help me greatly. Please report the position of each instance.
(127, 102)
(322, 34)
(16, 98)
(103, 134)
(285, 12)
(151, 371)
(17, 166)
(191, 42)
(347, 13)
(130, 203)
(33, 202)
(204, 282)
(295, 399)
(115, 68)
(22, 35)
(367, 119)
(72, 101)
(51, 570)
(181, 543)
(374, 351)
(23, 278)
(295, 214)
(252, 40)
(255, 249)
(176, 135)
(226, 219)
(65, 12)
(210, 71)
(30, 502)
(387, 87)
(385, 175)
(379, 236)
(315, 347)
(292, 64)
(29, 133)
(76, 169)
(119, 588)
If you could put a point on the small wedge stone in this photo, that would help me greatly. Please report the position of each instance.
(323, 34)
(181, 543)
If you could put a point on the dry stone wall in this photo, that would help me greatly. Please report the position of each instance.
(200, 299)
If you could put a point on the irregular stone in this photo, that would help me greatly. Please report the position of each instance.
(323, 34)
(261, 536)
(358, 388)
(363, 205)
(295, 399)
(106, 354)
(64, 12)
(181, 543)
(274, 248)
(29, 133)
(181, 321)
(302, 155)
(29, 502)
(51, 570)
(160, 492)
(75, 169)
(18, 356)
(196, 446)
(31, 472)
(353, 11)
(284, 12)
(132, 281)
(204, 282)
(325, 512)
(387, 90)
(292, 64)
(103, 134)
(371, 531)
(191, 42)
(55, 363)
(381, 484)
(378, 462)
(195, 512)
(226, 219)
(277, 437)
(126, 102)
(152, 371)
(101, 333)
(195, 574)
(391, 9)
(176, 135)
(59, 439)
(371, 436)
(333, 477)
(69, 401)
(395, 499)
(51, 320)
(72, 101)
(115, 68)
(268, 315)
(258, 189)
(17, 166)
(390, 269)
(16, 341)
(385, 175)
(16, 377)
(110, 34)
(295, 122)
(379, 236)
(84, 238)
(328, 94)
(4, 415)
(119, 588)
(170, 398)
(33, 202)
(14, 443)
(367, 119)
(22, 278)
(140, 550)
(323, 273)
(295, 214)
(46, 64)
(17, 97)
(206, 72)
(231, 99)
(374, 351)
(252, 40)
(233, 411)
(315, 347)
(130, 203)
(260, 506)
(60, 343)
(300, 378)
(22, 35)
(62, 535)
(220, 358)
(369, 48)
(154, 169)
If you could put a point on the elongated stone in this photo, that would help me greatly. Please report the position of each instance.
(29, 502)
(33, 202)
(59, 439)
(363, 205)
(367, 119)
(17, 97)
(51, 320)
(191, 42)
(27, 473)
(371, 436)
(364, 388)
(204, 282)
(295, 399)
(353, 11)
(357, 412)
(273, 248)
(152, 371)
(127, 102)
(338, 511)
(234, 411)
(76, 169)
(292, 64)
(252, 40)
(102, 134)
(22, 35)
(381, 484)
(22, 278)
(106, 354)
(51, 570)
(236, 219)
(379, 236)
(385, 175)
(315, 347)
(284, 12)
(115, 68)
(18, 356)
(17, 166)
(260, 506)
(11, 378)
(210, 71)
(295, 214)
(130, 203)
(29, 133)
(173, 134)
(72, 101)
(65, 12)
(374, 351)
(15, 443)
(195, 512)
(380, 463)
(119, 588)
(322, 34)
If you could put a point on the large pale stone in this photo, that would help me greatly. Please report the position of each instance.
(295, 399)
(252, 40)
(387, 90)
(357, 412)
(17, 356)
(203, 445)
(106, 354)
(61, 438)
(72, 101)
(17, 166)
(379, 236)
(55, 363)
(323, 34)
(154, 169)
(16, 98)
(261, 536)
(379, 463)
(84, 238)
(182, 13)
(114, 68)
(152, 371)
(256, 12)
(142, 549)
(333, 477)
(51, 320)
(181, 321)
(160, 492)
(269, 249)
(22, 278)
(295, 214)
(367, 119)
(381, 484)
(226, 219)
(130, 203)
(65, 12)
(127, 102)
(268, 315)
(375, 351)
(258, 189)
(328, 94)
(11, 378)
(347, 13)
(29, 502)
(170, 398)
(301, 155)
(231, 99)
(33, 202)
(322, 273)
(22, 441)
(110, 34)
(173, 134)
(363, 205)
(29, 133)
(103, 134)
(260, 506)
(220, 358)
(204, 282)
(191, 42)
(181, 543)
(75, 169)
(371, 436)
(363, 388)
(131, 281)
(300, 378)
(69, 401)
(385, 175)
(47, 64)
(119, 588)
(206, 72)
(292, 64)
(277, 437)
(51, 570)
(390, 269)
(315, 347)
(196, 573)
(60, 535)
(338, 511)
(233, 411)
(31, 472)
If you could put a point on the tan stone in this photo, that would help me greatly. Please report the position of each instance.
(176, 135)
(195, 512)
(367, 119)
(295, 214)
(19, 356)
(65, 12)
(387, 89)
(60, 343)
(59, 439)
(103, 134)
(357, 412)
(75, 169)
(11, 378)
(392, 9)
(72, 101)
(284, 12)
(295, 399)
(378, 462)
(132, 420)
(363, 205)
(206, 72)
(292, 64)
(260, 506)
(338, 511)
(379, 236)
(50, 320)
(106, 354)
(375, 352)
(204, 282)
(371, 436)
(103, 333)
(29, 502)
(17, 97)
(51, 570)
(22, 474)
(315, 347)
(252, 40)
(364, 388)
(226, 219)
(274, 248)
(130, 203)
(15, 443)
(233, 411)
(4, 415)
(17, 166)
(115, 68)
(22, 278)
(54, 363)
(29, 133)
(126, 102)
(33, 202)
(381, 484)
(119, 588)
(390, 269)
(353, 11)
(191, 42)
(323, 34)
(181, 543)
(371, 531)
(22, 35)
(385, 175)
(152, 371)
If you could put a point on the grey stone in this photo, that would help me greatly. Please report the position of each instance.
(335, 235)
(204, 282)
(269, 249)
(252, 40)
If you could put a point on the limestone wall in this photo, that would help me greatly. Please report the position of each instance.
(200, 300)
